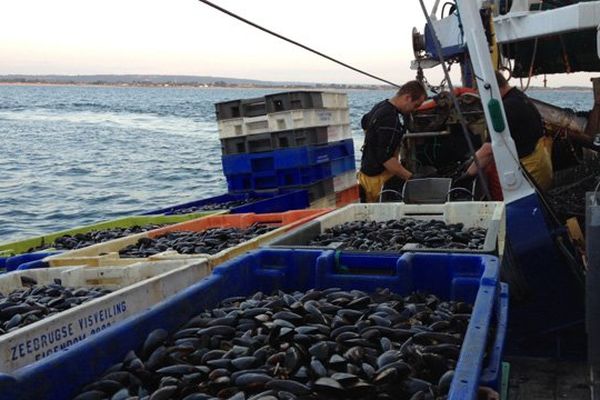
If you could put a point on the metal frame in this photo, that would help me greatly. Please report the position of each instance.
(517, 25)
(521, 25)
(514, 186)
(556, 300)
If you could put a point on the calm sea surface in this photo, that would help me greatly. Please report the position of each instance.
(76, 155)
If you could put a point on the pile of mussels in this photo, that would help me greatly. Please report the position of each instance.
(210, 241)
(35, 302)
(392, 235)
(328, 344)
(81, 240)
(215, 206)
(569, 200)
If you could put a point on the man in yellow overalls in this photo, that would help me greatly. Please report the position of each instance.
(527, 130)
(383, 136)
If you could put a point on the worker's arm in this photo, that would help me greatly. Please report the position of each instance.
(484, 156)
(394, 166)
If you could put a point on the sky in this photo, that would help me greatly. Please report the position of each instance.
(189, 38)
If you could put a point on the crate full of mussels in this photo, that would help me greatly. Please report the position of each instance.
(217, 238)
(287, 324)
(14, 254)
(469, 227)
(44, 311)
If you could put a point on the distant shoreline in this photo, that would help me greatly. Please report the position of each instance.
(198, 86)
(243, 86)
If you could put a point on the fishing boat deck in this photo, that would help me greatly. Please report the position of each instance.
(546, 379)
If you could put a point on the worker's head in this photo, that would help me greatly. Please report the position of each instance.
(409, 97)
(502, 83)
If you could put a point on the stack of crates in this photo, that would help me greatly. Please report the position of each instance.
(289, 141)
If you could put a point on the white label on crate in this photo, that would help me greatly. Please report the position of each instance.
(59, 332)
(62, 336)
(324, 116)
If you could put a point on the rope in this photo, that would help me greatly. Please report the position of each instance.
(530, 72)
(270, 32)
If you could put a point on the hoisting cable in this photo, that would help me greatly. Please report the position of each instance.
(461, 118)
(532, 64)
(270, 32)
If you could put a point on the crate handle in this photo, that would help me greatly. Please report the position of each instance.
(416, 214)
(342, 269)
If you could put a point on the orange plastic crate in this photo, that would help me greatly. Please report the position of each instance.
(288, 219)
(107, 253)
(346, 196)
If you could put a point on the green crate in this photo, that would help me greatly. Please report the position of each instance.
(20, 247)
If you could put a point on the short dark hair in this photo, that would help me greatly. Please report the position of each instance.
(502, 82)
(415, 89)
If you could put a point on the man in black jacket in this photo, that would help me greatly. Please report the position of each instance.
(383, 136)
(527, 130)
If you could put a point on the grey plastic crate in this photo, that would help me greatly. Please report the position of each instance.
(229, 109)
(285, 101)
(297, 100)
(247, 144)
(300, 137)
(234, 145)
(241, 108)
(259, 142)
(254, 107)
(427, 191)
(270, 141)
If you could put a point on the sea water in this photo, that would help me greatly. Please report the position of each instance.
(73, 155)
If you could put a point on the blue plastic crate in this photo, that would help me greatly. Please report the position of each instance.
(471, 278)
(28, 260)
(262, 181)
(239, 182)
(248, 163)
(309, 155)
(263, 202)
(303, 175)
(343, 164)
(286, 158)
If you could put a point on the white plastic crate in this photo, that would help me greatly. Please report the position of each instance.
(297, 119)
(137, 288)
(488, 215)
(283, 120)
(335, 133)
(344, 181)
(334, 100)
